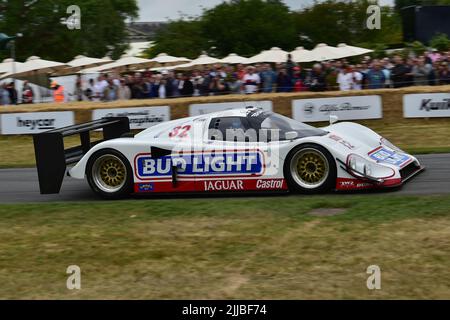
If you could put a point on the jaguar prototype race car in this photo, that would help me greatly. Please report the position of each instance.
(235, 150)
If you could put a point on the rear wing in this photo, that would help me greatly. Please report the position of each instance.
(51, 157)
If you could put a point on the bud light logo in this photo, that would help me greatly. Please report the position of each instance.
(202, 164)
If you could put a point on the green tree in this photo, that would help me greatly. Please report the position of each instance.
(416, 47)
(440, 42)
(335, 21)
(102, 27)
(242, 26)
(250, 26)
(182, 38)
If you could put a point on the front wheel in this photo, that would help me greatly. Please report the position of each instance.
(109, 174)
(310, 168)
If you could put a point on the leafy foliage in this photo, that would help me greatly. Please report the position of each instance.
(416, 47)
(102, 27)
(241, 26)
(333, 22)
(180, 38)
(248, 26)
(440, 42)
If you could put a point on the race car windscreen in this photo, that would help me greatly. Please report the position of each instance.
(262, 120)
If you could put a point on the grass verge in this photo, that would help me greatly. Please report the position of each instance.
(227, 248)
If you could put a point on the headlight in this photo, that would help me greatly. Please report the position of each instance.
(388, 144)
(352, 163)
(362, 168)
(367, 170)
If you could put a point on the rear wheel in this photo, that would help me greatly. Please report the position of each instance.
(310, 168)
(109, 174)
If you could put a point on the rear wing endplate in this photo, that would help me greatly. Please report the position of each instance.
(51, 157)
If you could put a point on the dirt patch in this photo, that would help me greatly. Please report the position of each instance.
(326, 212)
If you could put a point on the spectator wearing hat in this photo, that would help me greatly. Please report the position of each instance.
(59, 95)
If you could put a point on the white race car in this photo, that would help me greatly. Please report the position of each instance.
(234, 150)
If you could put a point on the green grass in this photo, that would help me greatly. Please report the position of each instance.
(426, 137)
(249, 248)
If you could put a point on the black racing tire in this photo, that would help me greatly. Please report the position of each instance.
(310, 169)
(109, 174)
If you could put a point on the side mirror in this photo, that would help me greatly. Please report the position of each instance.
(291, 135)
(333, 119)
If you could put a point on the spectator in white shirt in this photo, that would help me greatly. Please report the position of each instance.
(349, 79)
(99, 88)
(251, 81)
(357, 77)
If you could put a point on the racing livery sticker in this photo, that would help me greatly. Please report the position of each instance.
(245, 163)
(388, 156)
(225, 184)
(145, 187)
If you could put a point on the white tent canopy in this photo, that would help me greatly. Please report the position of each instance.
(233, 58)
(202, 60)
(325, 52)
(82, 61)
(125, 63)
(34, 66)
(274, 55)
(165, 60)
(300, 54)
(351, 50)
(9, 66)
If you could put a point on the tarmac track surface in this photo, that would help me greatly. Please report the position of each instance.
(21, 185)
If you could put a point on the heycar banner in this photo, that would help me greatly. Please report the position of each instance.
(140, 118)
(203, 108)
(35, 122)
(426, 105)
(346, 108)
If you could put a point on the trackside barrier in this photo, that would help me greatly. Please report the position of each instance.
(392, 104)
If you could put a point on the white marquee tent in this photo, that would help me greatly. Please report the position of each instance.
(300, 54)
(324, 52)
(233, 58)
(125, 63)
(351, 50)
(9, 66)
(35, 66)
(274, 55)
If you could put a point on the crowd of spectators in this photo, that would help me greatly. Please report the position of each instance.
(431, 68)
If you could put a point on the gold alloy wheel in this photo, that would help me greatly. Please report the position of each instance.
(109, 173)
(309, 168)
